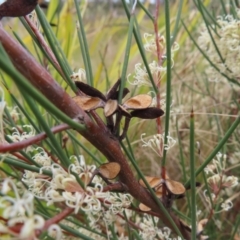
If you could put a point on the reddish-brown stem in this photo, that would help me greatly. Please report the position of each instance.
(118, 186)
(43, 43)
(132, 224)
(98, 120)
(215, 199)
(105, 142)
(158, 80)
(20, 156)
(13, 147)
(56, 219)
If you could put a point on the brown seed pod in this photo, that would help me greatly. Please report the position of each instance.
(17, 8)
(153, 181)
(109, 170)
(175, 187)
(144, 208)
(138, 102)
(88, 103)
(124, 111)
(125, 92)
(110, 107)
(148, 113)
(71, 186)
(90, 91)
(159, 191)
(111, 94)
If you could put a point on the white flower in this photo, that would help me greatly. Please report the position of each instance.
(227, 41)
(42, 157)
(13, 113)
(79, 76)
(17, 136)
(230, 181)
(156, 141)
(55, 232)
(19, 211)
(227, 205)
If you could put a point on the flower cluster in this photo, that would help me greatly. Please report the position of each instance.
(219, 181)
(18, 136)
(226, 35)
(149, 229)
(141, 76)
(72, 187)
(18, 214)
(156, 141)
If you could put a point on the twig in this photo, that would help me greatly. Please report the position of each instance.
(43, 43)
(13, 147)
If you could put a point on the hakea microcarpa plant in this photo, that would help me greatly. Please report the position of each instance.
(92, 127)
(140, 105)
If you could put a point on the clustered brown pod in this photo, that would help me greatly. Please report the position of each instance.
(137, 106)
(173, 188)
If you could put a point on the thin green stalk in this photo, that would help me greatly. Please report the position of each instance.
(209, 31)
(25, 24)
(84, 148)
(28, 117)
(85, 45)
(146, 11)
(207, 188)
(21, 81)
(136, 234)
(126, 58)
(168, 79)
(224, 7)
(139, 42)
(210, 15)
(217, 148)
(130, 147)
(75, 232)
(56, 147)
(57, 50)
(182, 160)
(24, 154)
(178, 19)
(81, 43)
(16, 163)
(236, 228)
(192, 178)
